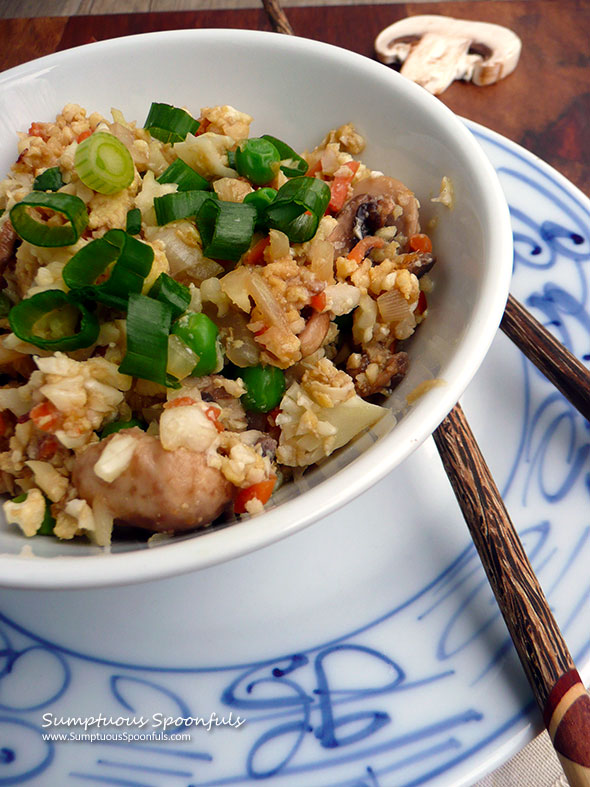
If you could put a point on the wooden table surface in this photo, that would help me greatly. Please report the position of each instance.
(543, 105)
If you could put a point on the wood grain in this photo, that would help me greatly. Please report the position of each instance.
(277, 17)
(544, 105)
(564, 370)
(546, 660)
(544, 108)
(25, 39)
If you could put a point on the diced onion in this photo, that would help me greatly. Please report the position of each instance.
(181, 359)
(321, 256)
(235, 285)
(266, 302)
(240, 346)
(393, 307)
(279, 246)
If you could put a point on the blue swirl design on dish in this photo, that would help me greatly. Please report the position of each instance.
(342, 705)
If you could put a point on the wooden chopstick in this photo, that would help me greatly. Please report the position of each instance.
(558, 364)
(560, 694)
(546, 660)
(277, 16)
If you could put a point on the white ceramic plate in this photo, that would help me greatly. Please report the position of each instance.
(365, 651)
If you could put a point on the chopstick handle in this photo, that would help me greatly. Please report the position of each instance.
(558, 690)
(277, 16)
(556, 362)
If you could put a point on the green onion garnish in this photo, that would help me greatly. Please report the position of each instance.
(180, 205)
(172, 292)
(226, 228)
(261, 199)
(50, 180)
(53, 320)
(103, 163)
(133, 261)
(36, 231)
(298, 207)
(148, 326)
(133, 222)
(187, 178)
(291, 162)
(170, 124)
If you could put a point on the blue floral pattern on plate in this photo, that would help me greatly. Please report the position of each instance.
(369, 651)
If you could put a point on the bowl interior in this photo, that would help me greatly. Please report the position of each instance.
(296, 90)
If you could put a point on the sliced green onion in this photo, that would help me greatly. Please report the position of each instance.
(261, 199)
(117, 426)
(187, 178)
(226, 228)
(172, 292)
(133, 261)
(103, 163)
(133, 223)
(298, 207)
(180, 205)
(258, 160)
(50, 180)
(38, 232)
(148, 326)
(53, 320)
(170, 124)
(291, 162)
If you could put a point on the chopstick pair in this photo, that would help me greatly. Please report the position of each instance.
(558, 689)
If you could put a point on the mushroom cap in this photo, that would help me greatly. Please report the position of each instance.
(435, 50)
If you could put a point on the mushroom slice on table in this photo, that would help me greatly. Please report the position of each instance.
(435, 50)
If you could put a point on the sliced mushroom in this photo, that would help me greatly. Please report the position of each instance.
(417, 262)
(436, 50)
(314, 333)
(380, 368)
(8, 238)
(375, 203)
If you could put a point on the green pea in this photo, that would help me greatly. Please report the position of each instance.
(258, 160)
(265, 386)
(200, 334)
(117, 426)
(261, 199)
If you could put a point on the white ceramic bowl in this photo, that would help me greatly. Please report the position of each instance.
(297, 90)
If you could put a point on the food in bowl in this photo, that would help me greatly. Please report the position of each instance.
(192, 315)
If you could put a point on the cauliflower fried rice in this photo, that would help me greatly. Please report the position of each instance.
(289, 331)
